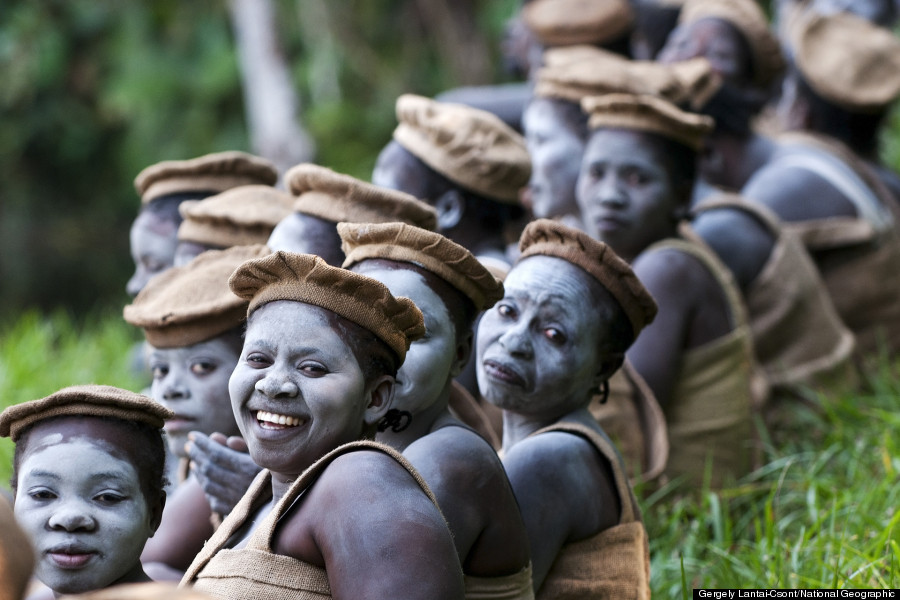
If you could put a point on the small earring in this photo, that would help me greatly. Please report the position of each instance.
(397, 420)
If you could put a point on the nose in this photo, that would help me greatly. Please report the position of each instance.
(175, 388)
(277, 387)
(516, 341)
(610, 193)
(72, 516)
(136, 283)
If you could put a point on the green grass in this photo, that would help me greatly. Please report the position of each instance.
(822, 512)
(39, 355)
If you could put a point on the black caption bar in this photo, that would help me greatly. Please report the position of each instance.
(735, 594)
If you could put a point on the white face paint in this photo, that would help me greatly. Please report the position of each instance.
(83, 508)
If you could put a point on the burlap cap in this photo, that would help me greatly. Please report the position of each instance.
(209, 173)
(550, 238)
(650, 114)
(471, 147)
(192, 303)
(847, 60)
(427, 249)
(309, 279)
(575, 72)
(141, 591)
(16, 555)
(748, 18)
(241, 216)
(569, 22)
(322, 193)
(84, 401)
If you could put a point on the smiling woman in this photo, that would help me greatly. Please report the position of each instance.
(88, 477)
(332, 515)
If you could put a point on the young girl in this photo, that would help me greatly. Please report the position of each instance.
(451, 288)
(570, 310)
(88, 476)
(327, 517)
(192, 323)
(634, 189)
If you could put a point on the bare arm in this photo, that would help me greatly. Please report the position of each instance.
(375, 531)
(565, 491)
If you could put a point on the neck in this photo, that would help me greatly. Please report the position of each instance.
(517, 426)
(421, 424)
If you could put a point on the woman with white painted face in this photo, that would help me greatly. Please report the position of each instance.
(88, 477)
(331, 515)
(634, 190)
(570, 310)
(192, 323)
(451, 288)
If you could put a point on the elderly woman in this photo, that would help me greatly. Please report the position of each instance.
(330, 515)
(451, 288)
(571, 309)
(88, 475)
(634, 189)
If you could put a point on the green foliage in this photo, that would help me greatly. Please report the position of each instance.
(40, 355)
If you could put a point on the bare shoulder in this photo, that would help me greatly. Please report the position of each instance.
(795, 193)
(554, 456)
(455, 452)
(668, 273)
(739, 239)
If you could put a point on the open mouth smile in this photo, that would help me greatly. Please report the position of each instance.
(269, 420)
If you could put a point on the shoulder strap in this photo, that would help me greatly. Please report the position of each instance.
(836, 164)
(761, 213)
(261, 539)
(238, 516)
(606, 448)
(690, 243)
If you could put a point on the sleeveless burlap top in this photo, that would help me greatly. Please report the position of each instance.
(718, 385)
(613, 564)
(860, 270)
(798, 336)
(634, 421)
(254, 572)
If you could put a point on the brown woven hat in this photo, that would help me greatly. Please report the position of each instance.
(550, 238)
(575, 72)
(241, 216)
(16, 555)
(569, 22)
(212, 173)
(427, 249)
(650, 114)
(848, 60)
(748, 18)
(192, 303)
(309, 279)
(86, 401)
(322, 193)
(471, 147)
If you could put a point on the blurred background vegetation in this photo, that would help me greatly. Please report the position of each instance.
(92, 92)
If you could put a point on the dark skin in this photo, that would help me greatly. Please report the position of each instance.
(398, 169)
(461, 468)
(538, 360)
(629, 201)
(365, 519)
(738, 239)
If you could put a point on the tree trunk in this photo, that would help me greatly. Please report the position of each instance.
(271, 103)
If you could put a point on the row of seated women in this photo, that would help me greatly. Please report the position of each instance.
(357, 319)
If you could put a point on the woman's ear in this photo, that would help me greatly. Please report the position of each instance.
(463, 353)
(610, 363)
(450, 207)
(156, 513)
(379, 399)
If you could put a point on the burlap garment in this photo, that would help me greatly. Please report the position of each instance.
(512, 587)
(799, 339)
(858, 257)
(255, 572)
(615, 563)
(719, 383)
(634, 421)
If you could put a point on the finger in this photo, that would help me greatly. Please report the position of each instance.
(218, 438)
(237, 443)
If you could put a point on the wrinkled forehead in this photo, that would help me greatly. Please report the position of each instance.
(549, 280)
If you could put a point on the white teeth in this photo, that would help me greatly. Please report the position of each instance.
(277, 419)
